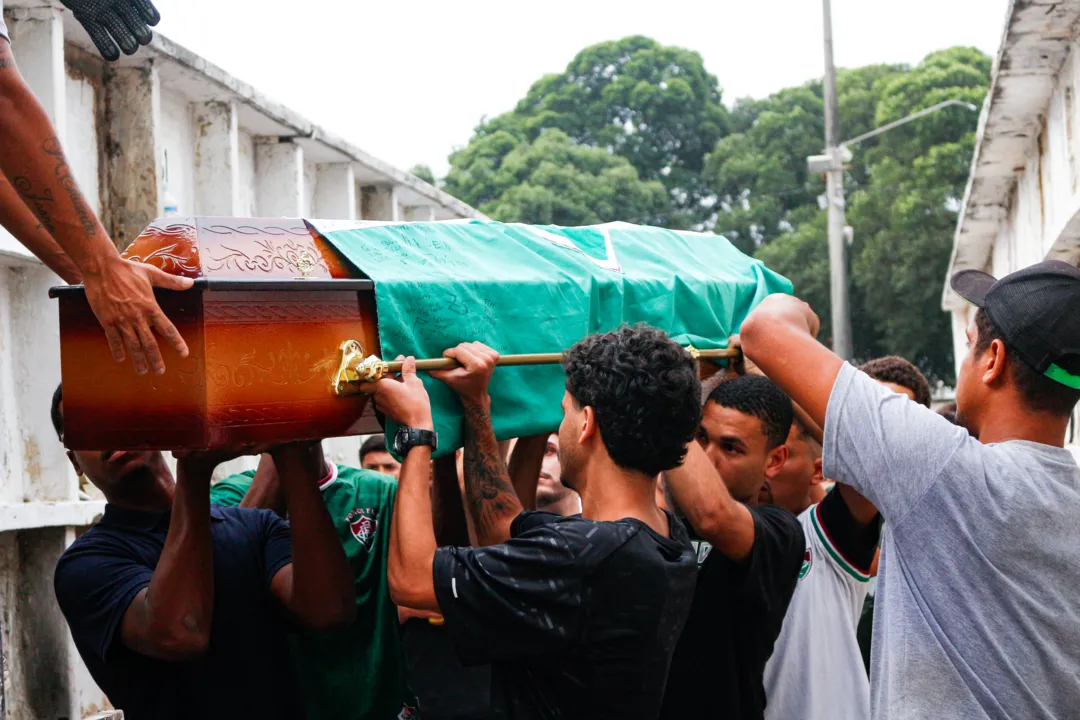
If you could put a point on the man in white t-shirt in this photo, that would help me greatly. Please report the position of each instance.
(816, 671)
(978, 613)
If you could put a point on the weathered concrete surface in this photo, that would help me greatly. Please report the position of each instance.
(380, 202)
(133, 116)
(279, 178)
(335, 192)
(217, 159)
(1038, 38)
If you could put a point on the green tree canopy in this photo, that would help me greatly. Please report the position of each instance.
(633, 130)
(758, 172)
(553, 180)
(424, 173)
(653, 105)
(903, 190)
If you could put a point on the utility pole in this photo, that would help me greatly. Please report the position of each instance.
(834, 193)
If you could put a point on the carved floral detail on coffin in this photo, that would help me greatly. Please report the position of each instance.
(237, 248)
(283, 366)
(277, 249)
(172, 247)
(266, 255)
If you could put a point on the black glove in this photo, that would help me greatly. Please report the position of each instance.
(116, 22)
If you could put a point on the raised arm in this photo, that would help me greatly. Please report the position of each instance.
(412, 533)
(700, 493)
(170, 620)
(119, 292)
(779, 337)
(492, 502)
(524, 468)
(745, 366)
(317, 588)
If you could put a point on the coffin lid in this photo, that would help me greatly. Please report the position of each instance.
(219, 248)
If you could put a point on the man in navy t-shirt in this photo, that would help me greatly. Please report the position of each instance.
(179, 608)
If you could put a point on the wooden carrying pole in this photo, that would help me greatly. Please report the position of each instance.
(356, 369)
(542, 359)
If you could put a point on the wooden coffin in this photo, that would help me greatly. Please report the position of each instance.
(271, 307)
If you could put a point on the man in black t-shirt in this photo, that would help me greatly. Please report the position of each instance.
(578, 615)
(748, 555)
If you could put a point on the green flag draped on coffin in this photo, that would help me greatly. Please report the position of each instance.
(540, 289)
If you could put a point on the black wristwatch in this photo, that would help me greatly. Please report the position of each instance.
(406, 438)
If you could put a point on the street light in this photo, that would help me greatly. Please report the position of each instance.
(832, 165)
(909, 118)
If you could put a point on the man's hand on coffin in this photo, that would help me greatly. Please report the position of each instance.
(112, 23)
(471, 380)
(404, 399)
(121, 295)
(200, 464)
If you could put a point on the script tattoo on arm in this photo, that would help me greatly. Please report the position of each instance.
(39, 202)
(492, 501)
(86, 218)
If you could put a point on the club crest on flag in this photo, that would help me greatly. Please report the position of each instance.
(363, 524)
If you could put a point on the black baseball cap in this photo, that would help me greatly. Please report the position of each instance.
(1037, 312)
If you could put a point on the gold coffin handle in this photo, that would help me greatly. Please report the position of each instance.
(355, 370)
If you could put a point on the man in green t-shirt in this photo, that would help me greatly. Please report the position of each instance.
(357, 673)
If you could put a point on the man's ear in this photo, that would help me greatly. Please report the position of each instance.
(818, 475)
(995, 359)
(775, 460)
(588, 424)
(74, 463)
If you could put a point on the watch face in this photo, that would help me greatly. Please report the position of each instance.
(406, 439)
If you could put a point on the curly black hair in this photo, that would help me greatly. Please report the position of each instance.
(897, 370)
(759, 397)
(645, 392)
(54, 412)
(1039, 392)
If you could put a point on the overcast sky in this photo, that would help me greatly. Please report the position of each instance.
(408, 81)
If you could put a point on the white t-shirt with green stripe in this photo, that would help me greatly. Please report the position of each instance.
(816, 671)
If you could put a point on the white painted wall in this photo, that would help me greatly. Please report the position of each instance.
(247, 173)
(178, 141)
(1046, 197)
(310, 182)
(81, 146)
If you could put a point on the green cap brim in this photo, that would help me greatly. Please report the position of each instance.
(1063, 376)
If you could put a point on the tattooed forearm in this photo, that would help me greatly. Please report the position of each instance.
(41, 203)
(63, 175)
(492, 502)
